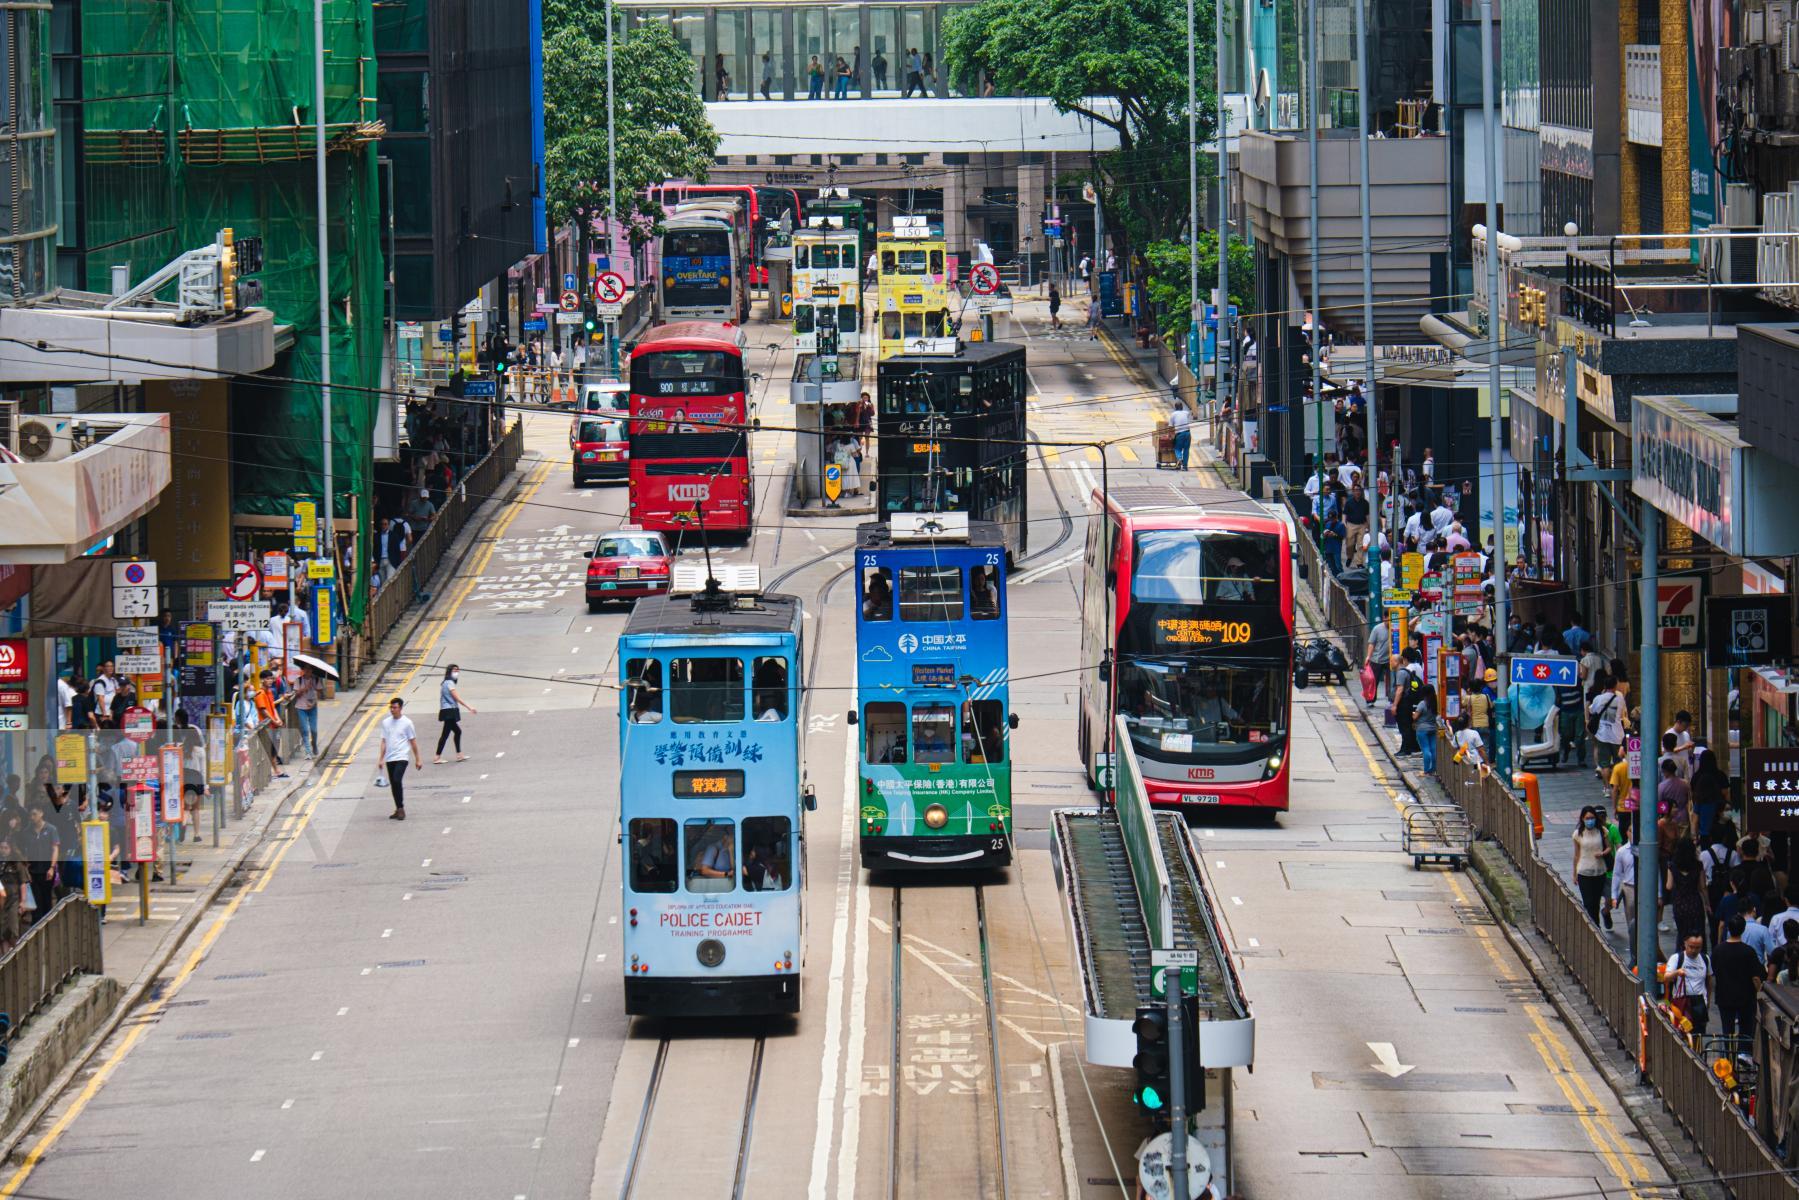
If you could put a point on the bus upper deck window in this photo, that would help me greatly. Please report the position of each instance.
(653, 854)
(930, 593)
(934, 733)
(643, 680)
(884, 725)
(711, 855)
(983, 593)
(877, 594)
(705, 689)
(983, 732)
(768, 685)
(767, 854)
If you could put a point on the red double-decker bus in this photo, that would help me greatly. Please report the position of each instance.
(690, 451)
(1187, 610)
(762, 209)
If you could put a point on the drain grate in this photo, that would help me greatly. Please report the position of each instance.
(241, 975)
(1472, 914)
(398, 963)
(209, 1035)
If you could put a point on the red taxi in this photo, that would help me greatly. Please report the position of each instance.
(600, 449)
(625, 565)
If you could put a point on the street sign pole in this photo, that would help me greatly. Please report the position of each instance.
(1177, 1088)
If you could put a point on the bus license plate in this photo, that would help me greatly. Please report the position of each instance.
(627, 572)
(1201, 798)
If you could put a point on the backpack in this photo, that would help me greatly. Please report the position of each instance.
(1594, 718)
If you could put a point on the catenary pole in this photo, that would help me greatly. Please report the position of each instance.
(611, 195)
(1317, 312)
(1371, 392)
(1193, 309)
(329, 534)
(1495, 407)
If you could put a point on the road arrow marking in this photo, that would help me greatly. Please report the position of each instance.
(1389, 1064)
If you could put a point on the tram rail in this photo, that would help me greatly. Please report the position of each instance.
(638, 1165)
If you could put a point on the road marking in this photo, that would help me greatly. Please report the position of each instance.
(1092, 454)
(573, 1042)
(287, 1103)
(368, 970)
(515, 733)
(500, 754)
(828, 1079)
(446, 829)
(406, 896)
(257, 1157)
(1130, 455)
(427, 863)
(343, 1012)
(1237, 900)
(1038, 572)
(574, 649)
(1253, 943)
(317, 1054)
(387, 933)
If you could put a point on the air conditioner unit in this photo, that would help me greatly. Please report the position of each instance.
(40, 439)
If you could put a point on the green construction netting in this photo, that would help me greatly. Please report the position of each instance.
(201, 108)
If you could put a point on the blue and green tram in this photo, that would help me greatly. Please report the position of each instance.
(935, 772)
(711, 797)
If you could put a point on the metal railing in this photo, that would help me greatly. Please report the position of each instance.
(406, 582)
(64, 943)
(1344, 615)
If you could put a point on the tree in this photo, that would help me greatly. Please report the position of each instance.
(1119, 63)
(1169, 280)
(662, 131)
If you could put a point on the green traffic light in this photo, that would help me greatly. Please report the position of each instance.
(1149, 1098)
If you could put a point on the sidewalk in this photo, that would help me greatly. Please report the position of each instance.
(137, 954)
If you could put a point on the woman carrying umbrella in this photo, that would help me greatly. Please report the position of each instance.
(306, 699)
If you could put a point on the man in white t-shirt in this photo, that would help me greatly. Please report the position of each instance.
(399, 743)
(65, 701)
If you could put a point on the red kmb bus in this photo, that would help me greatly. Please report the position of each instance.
(1187, 608)
(687, 428)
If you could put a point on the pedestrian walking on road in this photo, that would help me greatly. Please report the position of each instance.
(1055, 306)
(1684, 886)
(449, 713)
(399, 744)
(1181, 422)
(1739, 976)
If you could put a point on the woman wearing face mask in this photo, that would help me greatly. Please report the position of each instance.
(449, 712)
(1589, 861)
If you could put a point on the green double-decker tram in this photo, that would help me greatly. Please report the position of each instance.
(935, 772)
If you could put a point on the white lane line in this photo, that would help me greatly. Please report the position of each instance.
(426, 863)
(574, 649)
(858, 1015)
(406, 896)
(368, 970)
(1253, 943)
(573, 1042)
(343, 1012)
(466, 799)
(257, 1157)
(1237, 900)
(515, 733)
(600, 958)
(840, 923)
(317, 1054)
(497, 754)
(387, 933)
(589, 629)
(446, 829)
(287, 1103)
(1219, 863)
(587, 997)
(484, 777)
(1036, 573)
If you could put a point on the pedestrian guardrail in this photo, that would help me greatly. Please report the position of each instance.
(1680, 1075)
(62, 944)
(1343, 613)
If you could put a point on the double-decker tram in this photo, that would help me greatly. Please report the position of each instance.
(950, 433)
(686, 429)
(703, 269)
(837, 208)
(1187, 608)
(827, 289)
(912, 290)
(711, 799)
(935, 776)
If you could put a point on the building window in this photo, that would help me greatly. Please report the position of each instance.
(783, 160)
(818, 160)
(848, 160)
(955, 158)
(880, 160)
(916, 160)
(749, 160)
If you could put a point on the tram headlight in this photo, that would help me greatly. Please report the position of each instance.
(936, 816)
(711, 952)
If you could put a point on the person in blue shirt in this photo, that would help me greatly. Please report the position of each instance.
(1576, 637)
(1330, 540)
(1755, 934)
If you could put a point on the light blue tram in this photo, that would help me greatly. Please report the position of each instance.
(711, 801)
(935, 775)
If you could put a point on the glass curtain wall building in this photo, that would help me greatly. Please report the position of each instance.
(28, 241)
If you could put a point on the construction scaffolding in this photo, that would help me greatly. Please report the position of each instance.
(198, 115)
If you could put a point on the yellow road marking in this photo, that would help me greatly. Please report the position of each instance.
(1130, 455)
(1051, 454)
(1622, 1160)
(295, 821)
(1092, 454)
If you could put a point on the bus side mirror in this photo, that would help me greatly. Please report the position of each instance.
(755, 422)
(1105, 671)
(809, 798)
(1012, 720)
(851, 718)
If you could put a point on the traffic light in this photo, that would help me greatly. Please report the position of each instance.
(589, 321)
(1154, 1086)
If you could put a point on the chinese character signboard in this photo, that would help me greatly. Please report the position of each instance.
(1771, 790)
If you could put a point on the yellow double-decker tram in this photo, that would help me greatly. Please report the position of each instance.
(913, 290)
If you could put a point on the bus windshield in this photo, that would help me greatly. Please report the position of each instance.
(1183, 709)
(686, 373)
(1205, 566)
(696, 266)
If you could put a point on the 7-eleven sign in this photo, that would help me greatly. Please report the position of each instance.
(1677, 614)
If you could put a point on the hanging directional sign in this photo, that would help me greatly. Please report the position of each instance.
(609, 287)
(984, 279)
(1550, 670)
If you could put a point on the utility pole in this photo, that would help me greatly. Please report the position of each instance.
(1177, 1086)
(1649, 870)
(615, 225)
(1502, 722)
(1317, 312)
(1193, 309)
(1372, 392)
(328, 535)
(1225, 337)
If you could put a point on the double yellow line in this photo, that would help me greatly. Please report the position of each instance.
(287, 835)
(1558, 1060)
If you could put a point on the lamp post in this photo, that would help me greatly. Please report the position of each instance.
(1502, 726)
(611, 195)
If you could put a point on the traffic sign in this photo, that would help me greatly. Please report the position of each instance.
(139, 664)
(569, 282)
(786, 304)
(833, 482)
(96, 862)
(139, 723)
(1174, 958)
(135, 637)
(984, 279)
(306, 526)
(15, 659)
(246, 581)
(533, 325)
(134, 574)
(321, 568)
(241, 615)
(130, 602)
(1158, 980)
(143, 832)
(1548, 670)
(611, 312)
(568, 318)
(571, 302)
(476, 388)
(171, 784)
(609, 287)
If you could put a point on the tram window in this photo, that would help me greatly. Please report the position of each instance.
(885, 721)
(934, 733)
(653, 854)
(643, 678)
(877, 594)
(983, 732)
(889, 261)
(769, 689)
(890, 329)
(705, 689)
(930, 593)
(711, 855)
(767, 854)
(983, 593)
(912, 325)
(801, 255)
(936, 262)
(802, 318)
(825, 257)
(848, 318)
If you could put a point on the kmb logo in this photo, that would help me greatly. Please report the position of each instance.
(14, 659)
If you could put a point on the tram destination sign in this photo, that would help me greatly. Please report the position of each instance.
(938, 675)
(707, 784)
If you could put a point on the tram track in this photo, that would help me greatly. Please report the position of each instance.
(903, 1160)
(1062, 513)
(640, 1165)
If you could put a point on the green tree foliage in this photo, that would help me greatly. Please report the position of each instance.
(663, 132)
(1169, 268)
(1131, 54)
